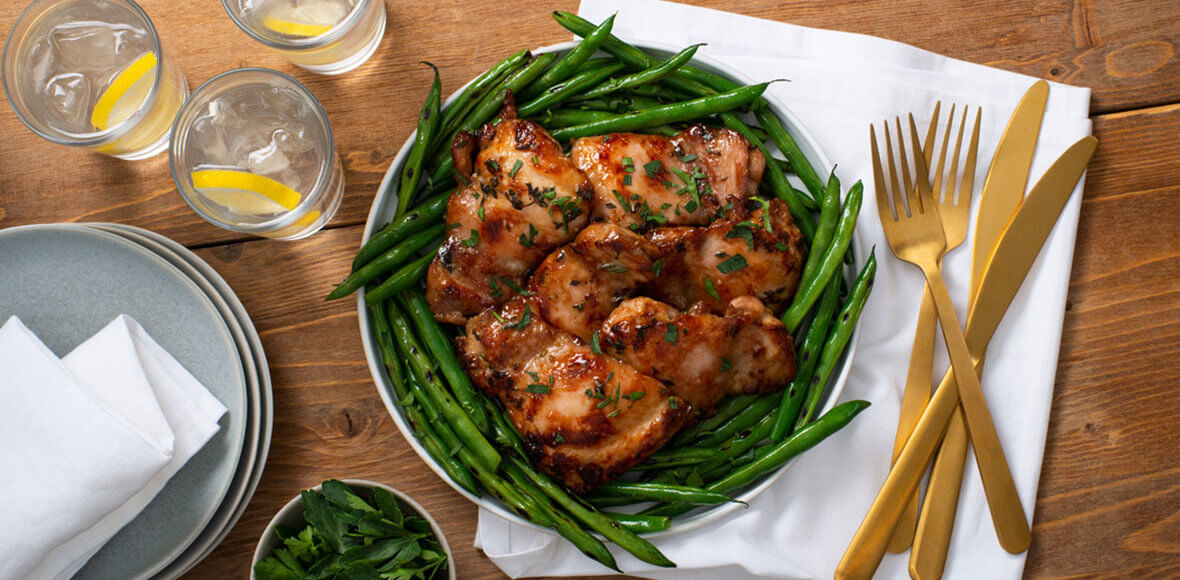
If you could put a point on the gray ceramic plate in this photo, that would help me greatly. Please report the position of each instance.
(66, 283)
(262, 401)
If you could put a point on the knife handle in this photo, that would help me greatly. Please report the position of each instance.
(933, 538)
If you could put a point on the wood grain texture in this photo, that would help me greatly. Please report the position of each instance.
(1109, 500)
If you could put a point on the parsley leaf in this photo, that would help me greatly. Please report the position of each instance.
(595, 347)
(525, 319)
(732, 264)
(471, 241)
(652, 169)
(515, 167)
(539, 388)
(626, 180)
(492, 165)
(628, 165)
(672, 403)
(527, 241)
(657, 266)
(613, 267)
(496, 292)
(672, 334)
(711, 289)
(688, 158)
(725, 365)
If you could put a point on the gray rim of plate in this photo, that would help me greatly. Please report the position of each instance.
(228, 515)
(233, 429)
(379, 213)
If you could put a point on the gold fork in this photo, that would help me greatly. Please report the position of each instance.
(954, 226)
(914, 231)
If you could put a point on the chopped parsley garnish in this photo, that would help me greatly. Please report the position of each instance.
(515, 167)
(732, 264)
(635, 395)
(496, 292)
(527, 241)
(626, 180)
(538, 387)
(711, 289)
(479, 212)
(492, 165)
(688, 158)
(535, 160)
(471, 241)
(613, 267)
(653, 168)
(781, 246)
(725, 365)
(672, 334)
(525, 319)
(672, 403)
(743, 230)
(657, 266)
(628, 165)
(595, 347)
(558, 438)
(498, 317)
(512, 286)
(765, 213)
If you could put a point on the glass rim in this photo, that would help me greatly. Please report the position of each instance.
(299, 44)
(199, 98)
(89, 139)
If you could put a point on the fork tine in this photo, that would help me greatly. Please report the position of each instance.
(937, 187)
(879, 179)
(967, 186)
(920, 169)
(948, 196)
(899, 204)
(928, 145)
(904, 160)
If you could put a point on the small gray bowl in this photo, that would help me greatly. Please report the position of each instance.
(291, 515)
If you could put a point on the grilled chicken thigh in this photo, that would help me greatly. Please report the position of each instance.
(749, 253)
(523, 200)
(641, 181)
(586, 418)
(579, 285)
(700, 356)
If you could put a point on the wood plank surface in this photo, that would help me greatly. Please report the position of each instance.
(1109, 500)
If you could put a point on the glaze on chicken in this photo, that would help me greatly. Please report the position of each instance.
(643, 181)
(703, 357)
(586, 418)
(749, 253)
(579, 285)
(524, 199)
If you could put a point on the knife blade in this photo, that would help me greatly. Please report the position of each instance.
(1002, 193)
(1018, 247)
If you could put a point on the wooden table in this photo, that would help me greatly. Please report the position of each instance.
(1109, 500)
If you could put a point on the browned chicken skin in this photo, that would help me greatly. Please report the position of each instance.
(700, 356)
(586, 418)
(641, 181)
(579, 285)
(735, 256)
(524, 199)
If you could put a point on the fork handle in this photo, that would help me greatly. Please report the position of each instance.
(1004, 503)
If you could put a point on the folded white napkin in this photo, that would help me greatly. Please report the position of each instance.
(840, 83)
(89, 441)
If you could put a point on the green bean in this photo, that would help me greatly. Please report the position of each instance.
(444, 353)
(726, 409)
(838, 338)
(643, 77)
(640, 524)
(454, 414)
(557, 118)
(778, 181)
(489, 106)
(772, 457)
(786, 144)
(808, 355)
(505, 432)
(407, 277)
(428, 120)
(472, 93)
(586, 543)
(609, 528)
(674, 457)
(671, 113)
(807, 294)
(635, 491)
(387, 261)
(737, 445)
(828, 216)
(427, 213)
(562, 91)
(572, 59)
(418, 422)
(658, 91)
(619, 103)
(757, 409)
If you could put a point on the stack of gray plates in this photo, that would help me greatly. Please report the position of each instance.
(66, 282)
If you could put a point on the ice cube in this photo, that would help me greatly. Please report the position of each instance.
(267, 160)
(70, 95)
(87, 46)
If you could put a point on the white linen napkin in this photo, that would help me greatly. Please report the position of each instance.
(840, 83)
(119, 418)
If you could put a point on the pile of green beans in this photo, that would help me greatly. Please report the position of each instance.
(468, 434)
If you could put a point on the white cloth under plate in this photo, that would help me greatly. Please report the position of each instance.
(839, 84)
(92, 439)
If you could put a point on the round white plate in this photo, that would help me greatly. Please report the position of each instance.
(382, 212)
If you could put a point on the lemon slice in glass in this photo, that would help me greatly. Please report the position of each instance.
(291, 28)
(305, 19)
(245, 193)
(126, 93)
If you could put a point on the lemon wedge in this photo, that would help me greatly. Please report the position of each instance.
(126, 93)
(292, 28)
(244, 192)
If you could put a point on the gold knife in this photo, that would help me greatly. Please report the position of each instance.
(1009, 264)
(1003, 191)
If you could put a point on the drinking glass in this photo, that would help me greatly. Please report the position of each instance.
(91, 73)
(323, 36)
(252, 152)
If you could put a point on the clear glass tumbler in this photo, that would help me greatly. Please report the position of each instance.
(252, 152)
(323, 36)
(91, 73)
